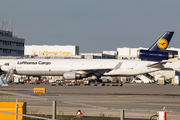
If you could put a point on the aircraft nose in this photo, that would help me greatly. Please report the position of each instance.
(4, 68)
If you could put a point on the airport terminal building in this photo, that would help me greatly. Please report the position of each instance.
(11, 45)
(73, 51)
(54, 50)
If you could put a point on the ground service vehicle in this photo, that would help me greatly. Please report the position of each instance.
(87, 82)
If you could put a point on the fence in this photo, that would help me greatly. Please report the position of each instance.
(122, 110)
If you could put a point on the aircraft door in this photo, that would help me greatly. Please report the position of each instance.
(12, 66)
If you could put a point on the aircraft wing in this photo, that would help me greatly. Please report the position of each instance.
(96, 71)
(157, 65)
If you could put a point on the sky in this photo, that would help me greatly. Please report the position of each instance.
(93, 25)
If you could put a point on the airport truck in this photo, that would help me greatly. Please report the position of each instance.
(113, 81)
(34, 80)
(175, 80)
(18, 79)
(72, 82)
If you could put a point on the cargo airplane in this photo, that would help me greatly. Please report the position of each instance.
(151, 60)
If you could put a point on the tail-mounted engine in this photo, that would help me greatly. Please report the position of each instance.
(156, 55)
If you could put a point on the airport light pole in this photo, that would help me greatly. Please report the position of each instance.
(122, 115)
(54, 110)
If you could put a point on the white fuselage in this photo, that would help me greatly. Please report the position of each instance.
(57, 67)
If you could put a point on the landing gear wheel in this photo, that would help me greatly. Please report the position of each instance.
(99, 80)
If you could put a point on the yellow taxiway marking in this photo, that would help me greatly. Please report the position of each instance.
(159, 104)
(127, 103)
(127, 96)
(14, 89)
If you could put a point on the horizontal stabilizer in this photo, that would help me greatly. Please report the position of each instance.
(157, 65)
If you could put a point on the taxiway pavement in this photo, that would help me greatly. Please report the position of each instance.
(136, 96)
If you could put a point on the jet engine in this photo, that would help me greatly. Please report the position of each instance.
(155, 55)
(72, 75)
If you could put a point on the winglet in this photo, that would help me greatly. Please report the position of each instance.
(117, 66)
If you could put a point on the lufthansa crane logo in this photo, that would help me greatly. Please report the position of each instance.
(162, 43)
(34, 52)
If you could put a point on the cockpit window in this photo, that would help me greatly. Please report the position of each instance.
(6, 64)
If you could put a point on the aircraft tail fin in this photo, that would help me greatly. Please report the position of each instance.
(162, 43)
